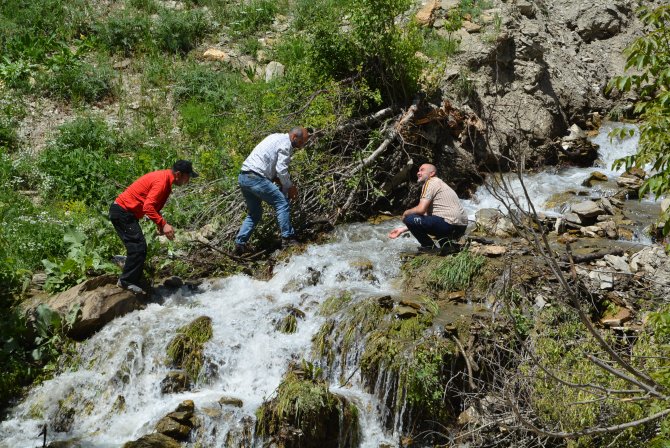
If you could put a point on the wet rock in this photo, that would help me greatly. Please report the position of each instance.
(411, 303)
(594, 177)
(153, 441)
(99, 300)
(608, 229)
(231, 401)
(580, 152)
(385, 302)
(173, 429)
(173, 282)
(175, 382)
(64, 419)
(406, 312)
(587, 210)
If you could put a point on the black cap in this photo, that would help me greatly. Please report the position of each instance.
(184, 166)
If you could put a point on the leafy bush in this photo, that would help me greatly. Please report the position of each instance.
(72, 79)
(125, 32)
(201, 84)
(254, 16)
(180, 31)
(9, 139)
(83, 259)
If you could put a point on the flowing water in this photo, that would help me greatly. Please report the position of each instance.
(114, 395)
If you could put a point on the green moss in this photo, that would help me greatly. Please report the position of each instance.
(289, 324)
(335, 304)
(307, 405)
(185, 351)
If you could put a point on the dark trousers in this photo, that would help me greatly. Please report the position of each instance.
(129, 230)
(422, 226)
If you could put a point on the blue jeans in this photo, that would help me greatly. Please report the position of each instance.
(423, 225)
(256, 190)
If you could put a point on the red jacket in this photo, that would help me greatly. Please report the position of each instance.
(147, 196)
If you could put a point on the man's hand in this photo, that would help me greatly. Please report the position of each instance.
(292, 192)
(168, 231)
(395, 233)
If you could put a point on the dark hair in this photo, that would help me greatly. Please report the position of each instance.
(184, 166)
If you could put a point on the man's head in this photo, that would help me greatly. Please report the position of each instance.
(298, 136)
(183, 172)
(426, 171)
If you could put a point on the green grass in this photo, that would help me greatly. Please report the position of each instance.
(456, 272)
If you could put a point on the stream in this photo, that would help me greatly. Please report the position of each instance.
(247, 357)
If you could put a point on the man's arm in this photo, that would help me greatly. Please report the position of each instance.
(421, 209)
(283, 160)
(153, 204)
(395, 233)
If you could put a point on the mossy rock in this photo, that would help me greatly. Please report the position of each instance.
(153, 441)
(185, 350)
(305, 414)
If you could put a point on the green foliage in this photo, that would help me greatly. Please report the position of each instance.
(82, 260)
(456, 272)
(649, 57)
(288, 324)
(254, 16)
(438, 47)
(178, 32)
(185, 350)
(51, 333)
(199, 84)
(68, 77)
(125, 32)
(17, 368)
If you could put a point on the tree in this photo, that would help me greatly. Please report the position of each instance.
(649, 56)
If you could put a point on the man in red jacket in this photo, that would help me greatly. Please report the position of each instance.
(146, 196)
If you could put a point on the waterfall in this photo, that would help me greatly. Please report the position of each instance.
(113, 395)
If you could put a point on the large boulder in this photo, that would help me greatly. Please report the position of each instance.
(99, 301)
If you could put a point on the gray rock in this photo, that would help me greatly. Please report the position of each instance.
(587, 209)
(274, 70)
(100, 301)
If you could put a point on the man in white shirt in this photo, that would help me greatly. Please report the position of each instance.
(439, 213)
(267, 163)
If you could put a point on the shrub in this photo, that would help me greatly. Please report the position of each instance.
(254, 16)
(74, 80)
(180, 31)
(125, 32)
(201, 84)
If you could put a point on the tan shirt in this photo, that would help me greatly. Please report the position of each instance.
(444, 202)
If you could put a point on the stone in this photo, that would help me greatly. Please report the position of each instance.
(213, 54)
(525, 8)
(617, 263)
(125, 63)
(471, 27)
(175, 381)
(173, 429)
(153, 441)
(99, 300)
(540, 301)
(470, 415)
(455, 295)
(587, 209)
(576, 133)
(406, 312)
(605, 280)
(411, 303)
(489, 250)
(616, 319)
(424, 16)
(594, 177)
(231, 401)
(274, 70)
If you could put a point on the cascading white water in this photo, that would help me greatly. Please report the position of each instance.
(126, 358)
(542, 186)
(115, 392)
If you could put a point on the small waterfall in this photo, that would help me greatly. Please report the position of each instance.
(113, 396)
(542, 186)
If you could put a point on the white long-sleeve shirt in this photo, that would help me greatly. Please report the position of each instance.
(271, 158)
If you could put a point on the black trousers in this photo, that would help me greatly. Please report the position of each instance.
(422, 226)
(129, 230)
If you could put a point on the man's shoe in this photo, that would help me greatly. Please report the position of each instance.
(130, 287)
(428, 250)
(449, 249)
(240, 249)
(289, 242)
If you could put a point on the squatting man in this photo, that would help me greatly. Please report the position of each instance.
(439, 213)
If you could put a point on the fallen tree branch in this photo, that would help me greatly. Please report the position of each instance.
(590, 257)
